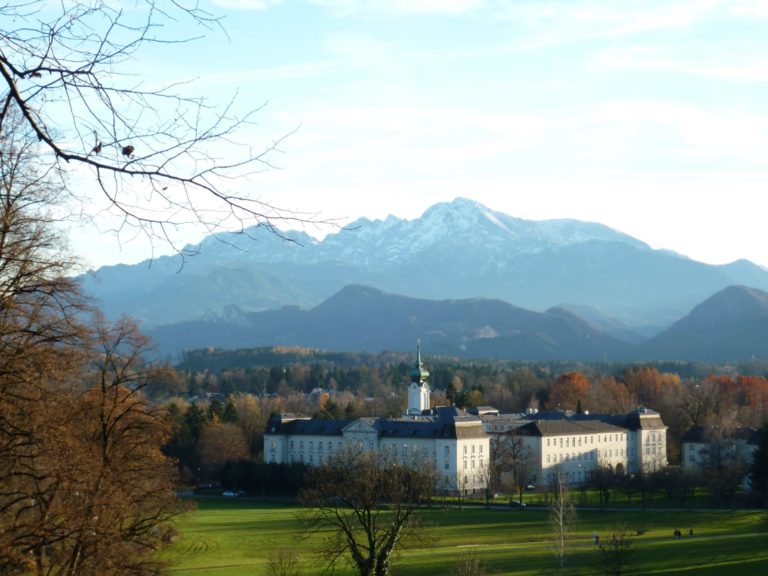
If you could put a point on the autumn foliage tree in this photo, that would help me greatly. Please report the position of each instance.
(41, 344)
(569, 391)
(117, 490)
(84, 488)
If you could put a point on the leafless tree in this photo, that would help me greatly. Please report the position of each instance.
(615, 554)
(368, 503)
(469, 564)
(562, 517)
(283, 562)
(162, 159)
(511, 463)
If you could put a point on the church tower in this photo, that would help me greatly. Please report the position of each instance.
(418, 389)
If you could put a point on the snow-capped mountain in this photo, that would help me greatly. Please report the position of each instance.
(459, 249)
(462, 223)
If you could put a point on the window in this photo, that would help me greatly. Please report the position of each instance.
(465, 449)
(547, 441)
(447, 465)
(291, 444)
(311, 445)
(481, 448)
(447, 450)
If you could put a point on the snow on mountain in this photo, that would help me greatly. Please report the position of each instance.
(445, 226)
(463, 223)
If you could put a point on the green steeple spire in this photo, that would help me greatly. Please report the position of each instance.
(419, 373)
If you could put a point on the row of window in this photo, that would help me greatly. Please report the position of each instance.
(472, 462)
(320, 446)
(619, 453)
(655, 437)
(574, 441)
(311, 444)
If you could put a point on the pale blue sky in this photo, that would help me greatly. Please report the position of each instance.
(650, 117)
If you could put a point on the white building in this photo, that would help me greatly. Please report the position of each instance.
(577, 444)
(450, 439)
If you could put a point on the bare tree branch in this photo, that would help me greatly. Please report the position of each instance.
(162, 159)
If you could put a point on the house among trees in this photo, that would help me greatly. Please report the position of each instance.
(708, 448)
(446, 437)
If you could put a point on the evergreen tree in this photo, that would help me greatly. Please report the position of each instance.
(760, 465)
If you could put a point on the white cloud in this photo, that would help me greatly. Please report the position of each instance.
(722, 65)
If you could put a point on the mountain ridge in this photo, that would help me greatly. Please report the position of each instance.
(455, 250)
(730, 326)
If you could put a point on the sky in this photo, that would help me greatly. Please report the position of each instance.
(650, 117)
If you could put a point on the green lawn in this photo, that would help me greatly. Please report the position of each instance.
(226, 537)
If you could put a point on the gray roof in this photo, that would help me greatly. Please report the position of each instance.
(639, 419)
(441, 422)
(567, 427)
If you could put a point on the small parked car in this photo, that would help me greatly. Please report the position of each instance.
(516, 504)
(229, 493)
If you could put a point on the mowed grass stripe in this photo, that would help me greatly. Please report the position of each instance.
(232, 537)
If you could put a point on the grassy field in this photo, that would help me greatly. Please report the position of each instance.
(230, 537)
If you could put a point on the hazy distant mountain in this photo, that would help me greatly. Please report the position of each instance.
(456, 250)
(607, 323)
(365, 319)
(730, 326)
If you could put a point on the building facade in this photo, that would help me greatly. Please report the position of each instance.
(458, 443)
(451, 440)
(575, 445)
